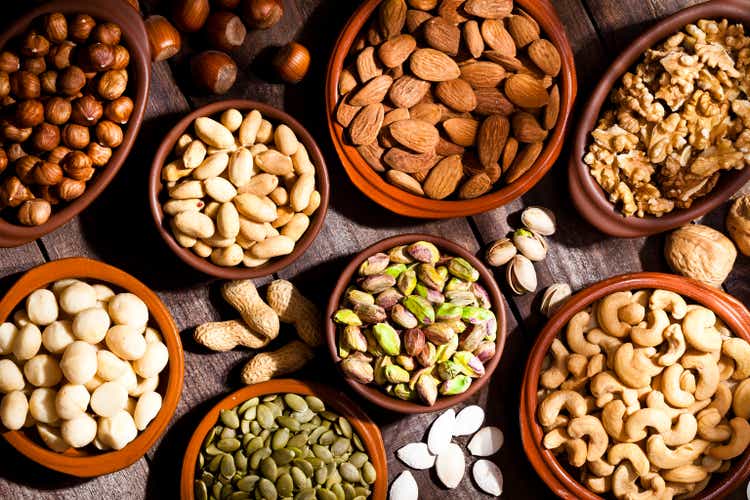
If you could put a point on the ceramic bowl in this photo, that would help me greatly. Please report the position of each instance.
(589, 198)
(552, 472)
(87, 462)
(134, 38)
(373, 393)
(334, 399)
(157, 196)
(375, 187)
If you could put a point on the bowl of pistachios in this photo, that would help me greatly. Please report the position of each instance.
(416, 324)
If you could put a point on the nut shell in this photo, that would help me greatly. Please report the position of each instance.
(701, 253)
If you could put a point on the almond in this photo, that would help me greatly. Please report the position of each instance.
(396, 50)
(497, 37)
(367, 68)
(366, 125)
(447, 148)
(475, 186)
(415, 135)
(385, 139)
(456, 94)
(407, 91)
(395, 115)
(396, 71)
(374, 37)
(392, 16)
(522, 30)
(427, 112)
(373, 91)
(491, 101)
(462, 131)
(491, 139)
(471, 164)
(447, 113)
(473, 38)
(442, 35)
(372, 154)
(345, 112)
(399, 159)
(523, 161)
(404, 181)
(482, 74)
(347, 81)
(509, 153)
(433, 65)
(510, 63)
(444, 178)
(552, 110)
(526, 128)
(415, 19)
(489, 9)
(450, 11)
(423, 4)
(525, 91)
(545, 55)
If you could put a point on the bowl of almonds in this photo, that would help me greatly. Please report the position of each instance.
(238, 189)
(449, 108)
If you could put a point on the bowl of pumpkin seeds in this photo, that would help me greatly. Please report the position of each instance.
(285, 439)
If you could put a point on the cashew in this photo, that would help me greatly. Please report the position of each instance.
(623, 481)
(698, 327)
(726, 367)
(631, 452)
(632, 313)
(683, 432)
(597, 484)
(675, 345)
(558, 372)
(607, 342)
(590, 426)
(655, 399)
(575, 338)
(653, 334)
(635, 426)
(709, 427)
(669, 301)
(577, 365)
(711, 464)
(708, 373)
(613, 415)
(722, 400)
(688, 473)
(596, 365)
(739, 350)
(633, 366)
(550, 408)
(665, 458)
(687, 381)
(604, 385)
(607, 313)
(600, 468)
(671, 387)
(741, 401)
(576, 448)
(655, 488)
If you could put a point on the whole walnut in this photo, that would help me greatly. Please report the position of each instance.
(701, 253)
(738, 223)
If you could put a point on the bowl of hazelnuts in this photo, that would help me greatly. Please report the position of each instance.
(74, 78)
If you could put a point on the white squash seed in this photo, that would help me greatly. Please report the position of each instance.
(404, 487)
(468, 421)
(441, 432)
(416, 455)
(488, 477)
(450, 465)
(486, 442)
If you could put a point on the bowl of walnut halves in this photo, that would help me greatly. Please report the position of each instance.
(665, 136)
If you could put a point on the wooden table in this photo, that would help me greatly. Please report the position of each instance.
(118, 229)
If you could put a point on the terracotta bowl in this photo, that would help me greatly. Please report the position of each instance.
(371, 392)
(157, 196)
(134, 36)
(590, 199)
(337, 401)
(87, 462)
(552, 472)
(375, 187)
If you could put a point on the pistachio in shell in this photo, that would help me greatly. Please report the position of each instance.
(521, 275)
(554, 297)
(539, 220)
(500, 252)
(530, 244)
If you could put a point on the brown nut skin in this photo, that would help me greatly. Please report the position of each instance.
(75, 136)
(108, 134)
(48, 82)
(163, 39)
(261, 14)
(77, 165)
(29, 113)
(121, 57)
(71, 80)
(60, 56)
(9, 62)
(46, 137)
(57, 110)
(213, 71)
(47, 174)
(112, 84)
(70, 189)
(119, 110)
(14, 192)
(25, 85)
(24, 168)
(99, 154)
(15, 134)
(80, 27)
(34, 45)
(225, 31)
(292, 62)
(36, 65)
(56, 27)
(86, 111)
(109, 33)
(49, 194)
(15, 152)
(57, 154)
(190, 15)
(34, 212)
(98, 56)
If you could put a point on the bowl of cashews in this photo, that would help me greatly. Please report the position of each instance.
(639, 387)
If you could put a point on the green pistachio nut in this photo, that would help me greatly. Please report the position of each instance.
(377, 283)
(461, 298)
(457, 285)
(483, 298)
(374, 264)
(474, 315)
(403, 391)
(370, 313)
(448, 370)
(491, 327)
(421, 308)
(432, 296)
(347, 317)
(424, 251)
(387, 338)
(399, 255)
(406, 362)
(414, 341)
(443, 272)
(354, 339)
(439, 333)
(401, 316)
(428, 355)
(472, 337)
(379, 369)
(357, 369)
(343, 349)
(418, 373)
(455, 386)
(428, 275)
(388, 298)
(485, 351)
(469, 363)
(448, 312)
(460, 268)
(395, 270)
(446, 351)
(458, 325)
(358, 297)
(407, 281)
(373, 347)
(396, 374)
(427, 389)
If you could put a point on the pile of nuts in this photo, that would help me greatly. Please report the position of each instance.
(283, 445)
(90, 375)
(416, 323)
(678, 120)
(647, 395)
(62, 87)
(260, 325)
(241, 191)
(447, 97)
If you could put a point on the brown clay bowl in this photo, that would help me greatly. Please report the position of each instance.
(87, 462)
(134, 36)
(373, 393)
(401, 202)
(589, 198)
(557, 477)
(157, 196)
(337, 401)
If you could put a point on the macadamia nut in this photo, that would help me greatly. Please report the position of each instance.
(77, 297)
(60, 285)
(11, 378)
(42, 405)
(78, 362)
(42, 371)
(58, 335)
(91, 325)
(71, 401)
(103, 293)
(20, 318)
(41, 307)
(128, 309)
(117, 431)
(14, 409)
(109, 366)
(79, 431)
(108, 399)
(52, 438)
(126, 341)
(8, 333)
(95, 382)
(152, 335)
(153, 361)
(146, 410)
(27, 342)
(129, 379)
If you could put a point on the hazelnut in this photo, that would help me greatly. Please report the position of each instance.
(15, 134)
(48, 193)
(119, 110)
(163, 39)
(75, 136)
(56, 27)
(57, 110)
(29, 113)
(48, 82)
(70, 189)
(292, 62)
(112, 84)
(47, 174)
(108, 33)
(34, 45)
(71, 80)
(213, 71)
(99, 154)
(4, 84)
(80, 27)
(24, 168)
(190, 15)
(34, 212)
(61, 55)
(46, 137)
(225, 31)
(15, 151)
(14, 192)
(3, 160)
(35, 65)
(9, 62)
(77, 165)
(57, 154)
(262, 14)
(25, 85)
(109, 134)
(121, 59)
(87, 111)
(98, 56)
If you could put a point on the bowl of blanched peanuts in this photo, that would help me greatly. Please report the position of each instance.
(91, 367)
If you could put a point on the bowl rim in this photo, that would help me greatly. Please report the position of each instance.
(340, 402)
(96, 464)
(238, 272)
(588, 196)
(726, 307)
(374, 186)
(134, 35)
(373, 394)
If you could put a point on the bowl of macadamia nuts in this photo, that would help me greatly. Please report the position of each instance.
(74, 77)
(238, 189)
(639, 387)
(91, 367)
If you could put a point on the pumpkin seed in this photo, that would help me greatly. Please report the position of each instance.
(229, 418)
(362, 491)
(265, 416)
(215, 462)
(283, 456)
(324, 494)
(239, 495)
(315, 435)
(368, 472)
(228, 468)
(358, 459)
(315, 404)
(259, 455)
(338, 490)
(254, 445)
(280, 439)
(245, 426)
(201, 491)
(267, 489)
(247, 483)
(358, 443)
(304, 416)
(250, 413)
(255, 427)
(306, 494)
(227, 433)
(349, 491)
(329, 415)
(247, 404)
(201, 460)
(295, 402)
(212, 450)
(299, 440)
(285, 485)
(327, 438)
(321, 474)
(269, 469)
(340, 446)
(322, 453)
(350, 473)
(240, 461)
(229, 445)
(210, 437)
(346, 427)
(289, 422)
